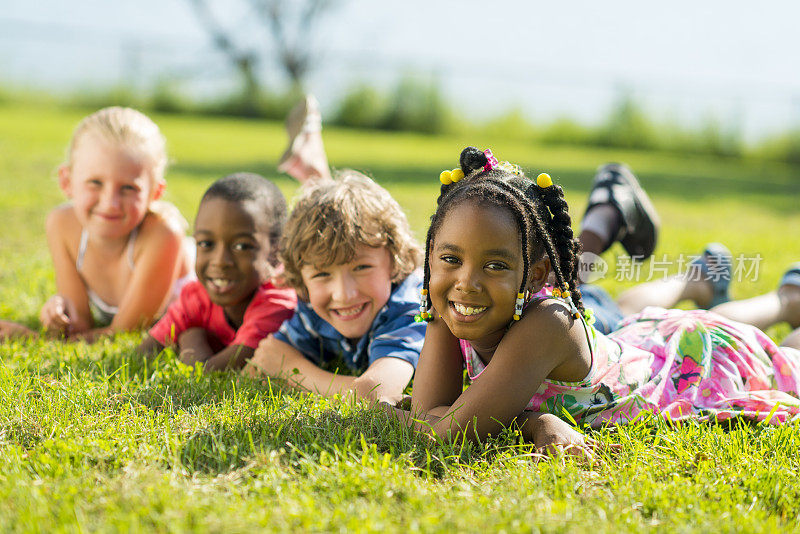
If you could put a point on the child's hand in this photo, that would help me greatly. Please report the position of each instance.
(553, 436)
(268, 361)
(263, 363)
(194, 347)
(9, 330)
(56, 314)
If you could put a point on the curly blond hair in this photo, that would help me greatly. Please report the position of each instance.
(333, 217)
(126, 127)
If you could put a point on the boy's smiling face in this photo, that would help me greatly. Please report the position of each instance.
(350, 295)
(232, 254)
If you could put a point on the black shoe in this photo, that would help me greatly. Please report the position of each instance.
(615, 184)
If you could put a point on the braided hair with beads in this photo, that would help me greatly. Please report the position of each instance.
(540, 211)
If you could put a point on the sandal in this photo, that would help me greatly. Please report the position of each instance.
(615, 184)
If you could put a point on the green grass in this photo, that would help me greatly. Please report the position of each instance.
(94, 438)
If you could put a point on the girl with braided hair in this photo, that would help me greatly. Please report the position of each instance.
(493, 242)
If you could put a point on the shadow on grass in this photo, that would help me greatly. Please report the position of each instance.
(242, 421)
(302, 434)
(302, 439)
(241, 418)
(292, 429)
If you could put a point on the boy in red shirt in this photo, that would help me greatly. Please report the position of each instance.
(220, 318)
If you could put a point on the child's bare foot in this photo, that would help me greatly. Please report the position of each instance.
(304, 158)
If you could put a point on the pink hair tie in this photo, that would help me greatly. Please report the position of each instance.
(491, 161)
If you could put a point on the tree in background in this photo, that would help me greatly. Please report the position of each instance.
(288, 24)
(292, 25)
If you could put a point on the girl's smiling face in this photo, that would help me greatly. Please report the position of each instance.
(476, 269)
(110, 185)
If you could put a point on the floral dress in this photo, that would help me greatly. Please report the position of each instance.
(680, 364)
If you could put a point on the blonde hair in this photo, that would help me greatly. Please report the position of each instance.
(333, 217)
(126, 127)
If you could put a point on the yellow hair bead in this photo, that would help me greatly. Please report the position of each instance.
(565, 294)
(456, 175)
(520, 295)
(445, 177)
(516, 317)
(424, 291)
(544, 181)
(556, 292)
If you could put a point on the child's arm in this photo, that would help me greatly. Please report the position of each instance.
(549, 434)
(268, 310)
(439, 378)
(231, 357)
(68, 312)
(155, 271)
(10, 330)
(149, 346)
(384, 379)
(193, 346)
(545, 342)
(278, 359)
(552, 435)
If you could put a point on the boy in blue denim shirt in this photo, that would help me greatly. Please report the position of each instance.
(348, 252)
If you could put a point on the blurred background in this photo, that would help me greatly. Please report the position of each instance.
(701, 99)
(703, 77)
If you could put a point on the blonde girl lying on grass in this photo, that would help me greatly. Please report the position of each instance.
(119, 253)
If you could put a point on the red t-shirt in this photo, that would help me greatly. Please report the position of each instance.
(265, 314)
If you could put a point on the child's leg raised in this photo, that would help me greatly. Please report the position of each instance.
(619, 210)
(305, 158)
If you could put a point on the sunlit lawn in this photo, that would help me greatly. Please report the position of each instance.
(93, 438)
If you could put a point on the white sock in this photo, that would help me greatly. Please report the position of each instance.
(602, 220)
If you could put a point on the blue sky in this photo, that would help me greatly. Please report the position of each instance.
(735, 60)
